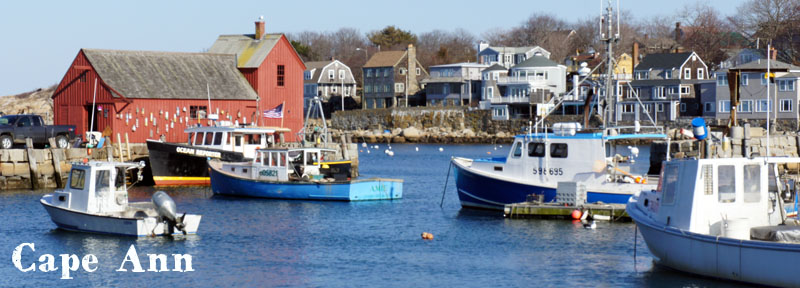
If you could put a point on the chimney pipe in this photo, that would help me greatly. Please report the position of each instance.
(260, 28)
(635, 56)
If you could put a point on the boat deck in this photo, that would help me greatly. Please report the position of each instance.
(526, 210)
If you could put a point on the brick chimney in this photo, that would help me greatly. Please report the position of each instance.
(678, 32)
(413, 85)
(635, 54)
(773, 54)
(260, 28)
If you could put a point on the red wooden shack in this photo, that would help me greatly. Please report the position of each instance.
(149, 94)
(273, 68)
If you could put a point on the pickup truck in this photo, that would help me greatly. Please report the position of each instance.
(15, 128)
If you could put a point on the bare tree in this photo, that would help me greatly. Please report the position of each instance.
(442, 47)
(706, 33)
(777, 21)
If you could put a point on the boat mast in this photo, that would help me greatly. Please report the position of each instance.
(610, 38)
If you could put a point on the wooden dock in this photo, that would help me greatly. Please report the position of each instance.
(597, 211)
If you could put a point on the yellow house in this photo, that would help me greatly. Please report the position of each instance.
(624, 67)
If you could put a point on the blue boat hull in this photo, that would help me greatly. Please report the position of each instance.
(478, 191)
(354, 190)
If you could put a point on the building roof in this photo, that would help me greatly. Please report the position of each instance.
(496, 67)
(444, 80)
(250, 52)
(789, 75)
(170, 75)
(663, 61)
(512, 50)
(536, 61)
(316, 68)
(385, 59)
(462, 64)
(761, 64)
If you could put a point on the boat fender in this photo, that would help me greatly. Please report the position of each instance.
(640, 180)
(576, 214)
(305, 177)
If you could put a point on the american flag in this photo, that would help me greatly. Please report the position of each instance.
(276, 112)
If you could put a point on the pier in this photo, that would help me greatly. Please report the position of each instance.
(536, 210)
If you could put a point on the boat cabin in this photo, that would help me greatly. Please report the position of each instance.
(237, 139)
(718, 197)
(283, 164)
(96, 187)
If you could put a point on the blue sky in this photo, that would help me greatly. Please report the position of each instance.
(40, 39)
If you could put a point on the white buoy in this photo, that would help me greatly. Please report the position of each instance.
(501, 146)
(367, 151)
(389, 152)
(416, 148)
(377, 147)
(364, 145)
(441, 149)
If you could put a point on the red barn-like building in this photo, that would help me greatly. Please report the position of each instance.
(273, 68)
(149, 94)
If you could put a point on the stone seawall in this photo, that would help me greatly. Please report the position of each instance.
(50, 168)
(434, 125)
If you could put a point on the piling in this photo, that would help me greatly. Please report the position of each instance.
(34, 169)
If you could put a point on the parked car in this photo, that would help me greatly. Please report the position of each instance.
(15, 128)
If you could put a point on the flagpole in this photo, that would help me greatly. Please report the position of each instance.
(283, 109)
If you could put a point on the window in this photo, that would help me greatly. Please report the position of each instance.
(366, 88)
(763, 79)
(683, 107)
(724, 106)
(102, 180)
(386, 72)
(746, 106)
(398, 87)
(535, 149)
(347, 91)
(334, 89)
(330, 74)
(722, 79)
(402, 71)
(627, 108)
(558, 150)
(209, 138)
(785, 85)
(668, 74)
(752, 183)
(341, 74)
(685, 90)
(517, 150)
(197, 112)
(307, 75)
(659, 107)
(495, 76)
(77, 179)
(646, 108)
(419, 71)
(83, 77)
(744, 79)
(763, 106)
(508, 58)
(281, 75)
(642, 75)
(670, 181)
(386, 88)
(658, 92)
(218, 138)
(687, 73)
(701, 73)
(786, 105)
(489, 92)
(369, 72)
(709, 107)
(726, 183)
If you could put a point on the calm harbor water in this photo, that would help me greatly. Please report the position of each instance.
(256, 242)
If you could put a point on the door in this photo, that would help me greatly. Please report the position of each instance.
(23, 129)
(37, 130)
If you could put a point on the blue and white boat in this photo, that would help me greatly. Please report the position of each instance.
(537, 162)
(283, 173)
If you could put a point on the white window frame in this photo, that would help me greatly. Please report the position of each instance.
(369, 72)
(627, 109)
(489, 92)
(688, 90)
(334, 89)
(790, 105)
(683, 107)
(668, 74)
(724, 106)
(399, 87)
(701, 73)
(331, 74)
(721, 77)
(347, 90)
(658, 92)
(307, 75)
(745, 79)
(659, 107)
(763, 105)
(742, 106)
(507, 58)
(786, 85)
(419, 71)
(341, 74)
(495, 76)
(687, 73)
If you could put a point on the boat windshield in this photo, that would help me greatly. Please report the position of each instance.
(102, 181)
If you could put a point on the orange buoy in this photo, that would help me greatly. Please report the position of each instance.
(576, 214)
(427, 236)
(89, 151)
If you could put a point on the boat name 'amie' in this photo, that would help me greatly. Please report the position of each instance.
(198, 152)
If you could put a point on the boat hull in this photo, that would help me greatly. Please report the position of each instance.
(476, 190)
(752, 261)
(176, 164)
(353, 190)
(72, 220)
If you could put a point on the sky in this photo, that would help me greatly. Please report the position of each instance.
(40, 39)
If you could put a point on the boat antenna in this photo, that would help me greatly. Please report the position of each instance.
(610, 38)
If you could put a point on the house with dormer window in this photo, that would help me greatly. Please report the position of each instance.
(508, 56)
(668, 86)
(328, 80)
(753, 103)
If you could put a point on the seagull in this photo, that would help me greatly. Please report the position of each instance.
(589, 225)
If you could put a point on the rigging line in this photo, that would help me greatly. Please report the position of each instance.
(445, 182)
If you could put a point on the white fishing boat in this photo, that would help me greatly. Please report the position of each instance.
(721, 218)
(96, 200)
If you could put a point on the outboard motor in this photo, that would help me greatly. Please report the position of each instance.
(167, 210)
